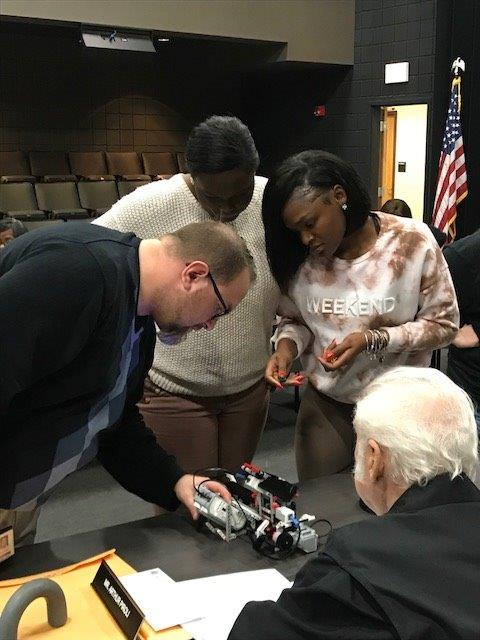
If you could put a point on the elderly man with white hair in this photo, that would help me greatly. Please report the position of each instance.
(414, 572)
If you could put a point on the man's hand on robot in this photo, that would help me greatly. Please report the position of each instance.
(186, 489)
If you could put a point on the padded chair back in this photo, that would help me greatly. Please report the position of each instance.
(160, 163)
(18, 196)
(37, 224)
(124, 187)
(57, 196)
(182, 162)
(90, 165)
(14, 167)
(122, 163)
(51, 165)
(97, 196)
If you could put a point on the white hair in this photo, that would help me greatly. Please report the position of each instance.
(424, 421)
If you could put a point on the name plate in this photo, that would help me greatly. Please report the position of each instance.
(7, 545)
(113, 595)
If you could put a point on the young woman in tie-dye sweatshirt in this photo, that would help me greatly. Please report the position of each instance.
(363, 291)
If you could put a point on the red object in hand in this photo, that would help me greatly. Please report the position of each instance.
(298, 379)
(329, 357)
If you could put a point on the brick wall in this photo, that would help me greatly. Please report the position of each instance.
(465, 39)
(386, 31)
(428, 34)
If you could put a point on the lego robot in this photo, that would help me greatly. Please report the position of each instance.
(262, 507)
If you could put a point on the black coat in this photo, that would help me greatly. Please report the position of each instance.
(463, 258)
(73, 359)
(413, 574)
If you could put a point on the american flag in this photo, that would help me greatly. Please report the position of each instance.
(452, 170)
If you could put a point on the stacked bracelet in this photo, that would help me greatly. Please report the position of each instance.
(376, 340)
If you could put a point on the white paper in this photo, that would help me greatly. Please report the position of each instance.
(156, 595)
(205, 607)
(225, 596)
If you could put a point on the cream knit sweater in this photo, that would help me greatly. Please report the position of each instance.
(233, 356)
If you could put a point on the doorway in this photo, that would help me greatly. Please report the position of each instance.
(403, 137)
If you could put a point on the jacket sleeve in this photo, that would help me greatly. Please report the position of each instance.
(292, 325)
(324, 602)
(130, 453)
(436, 322)
(468, 290)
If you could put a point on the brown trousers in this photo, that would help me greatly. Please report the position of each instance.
(324, 435)
(220, 431)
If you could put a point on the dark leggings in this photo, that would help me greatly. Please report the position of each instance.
(324, 436)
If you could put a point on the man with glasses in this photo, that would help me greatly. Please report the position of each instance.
(179, 334)
(79, 306)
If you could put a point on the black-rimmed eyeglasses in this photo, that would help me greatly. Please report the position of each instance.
(220, 299)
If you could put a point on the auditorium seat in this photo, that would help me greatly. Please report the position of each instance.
(18, 200)
(14, 167)
(51, 166)
(89, 165)
(37, 224)
(98, 197)
(182, 162)
(160, 165)
(126, 165)
(124, 187)
(60, 199)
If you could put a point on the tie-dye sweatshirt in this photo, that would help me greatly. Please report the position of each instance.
(401, 284)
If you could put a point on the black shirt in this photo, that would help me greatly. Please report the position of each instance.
(412, 574)
(73, 359)
(463, 258)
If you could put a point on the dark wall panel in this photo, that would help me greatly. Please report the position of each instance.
(58, 95)
(465, 42)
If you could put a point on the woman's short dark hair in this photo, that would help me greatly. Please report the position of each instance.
(219, 144)
(397, 207)
(320, 170)
(17, 227)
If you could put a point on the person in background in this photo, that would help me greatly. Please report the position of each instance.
(412, 572)
(397, 207)
(364, 292)
(10, 228)
(79, 308)
(463, 259)
(400, 208)
(206, 399)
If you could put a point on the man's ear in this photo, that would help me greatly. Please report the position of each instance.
(194, 274)
(376, 460)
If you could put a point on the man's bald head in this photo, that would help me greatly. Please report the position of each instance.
(216, 244)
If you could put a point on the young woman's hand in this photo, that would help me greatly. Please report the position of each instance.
(344, 353)
(280, 363)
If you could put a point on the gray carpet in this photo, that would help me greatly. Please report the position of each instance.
(91, 498)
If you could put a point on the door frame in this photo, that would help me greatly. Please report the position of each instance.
(431, 166)
(389, 120)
